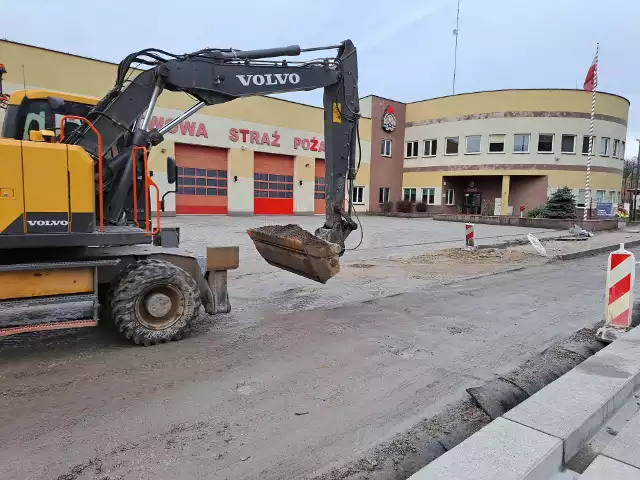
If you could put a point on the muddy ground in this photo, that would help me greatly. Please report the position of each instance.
(292, 384)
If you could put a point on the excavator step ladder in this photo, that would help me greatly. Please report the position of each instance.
(30, 285)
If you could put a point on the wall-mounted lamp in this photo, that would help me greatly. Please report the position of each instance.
(307, 165)
(300, 182)
(235, 178)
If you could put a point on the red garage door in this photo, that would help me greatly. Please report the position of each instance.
(272, 184)
(202, 180)
(319, 193)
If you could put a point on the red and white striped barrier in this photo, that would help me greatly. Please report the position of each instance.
(621, 276)
(470, 237)
(621, 273)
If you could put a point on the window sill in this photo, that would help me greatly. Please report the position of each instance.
(408, 158)
(450, 154)
(472, 153)
(449, 204)
(389, 156)
(428, 156)
(600, 154)
(567, 153)
(357, 203)
(545, 153)
(499, 153)
(521, 153)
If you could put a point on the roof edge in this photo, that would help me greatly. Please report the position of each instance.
(519, 90)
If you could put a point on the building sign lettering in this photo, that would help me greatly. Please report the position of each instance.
(255, 137)
(185, 128)
(312, 144)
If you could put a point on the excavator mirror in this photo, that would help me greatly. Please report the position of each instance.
(172, 170)
(55, 103)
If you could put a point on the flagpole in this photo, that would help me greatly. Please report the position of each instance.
(587, 198)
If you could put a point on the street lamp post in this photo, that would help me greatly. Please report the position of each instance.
(635, 188)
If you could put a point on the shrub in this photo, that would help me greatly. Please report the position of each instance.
(421, 207)
(386, 207)
(404, 206)
(537, 212)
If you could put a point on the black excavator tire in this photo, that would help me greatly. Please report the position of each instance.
(127, 293)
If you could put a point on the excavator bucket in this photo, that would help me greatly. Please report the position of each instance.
(291, 248)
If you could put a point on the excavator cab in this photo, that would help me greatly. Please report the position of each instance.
(39, 110)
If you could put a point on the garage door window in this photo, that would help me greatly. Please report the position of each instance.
(320, 188)
(202, 181)
(267, 185)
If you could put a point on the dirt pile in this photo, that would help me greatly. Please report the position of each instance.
(481, 256)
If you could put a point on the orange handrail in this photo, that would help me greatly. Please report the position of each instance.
(90, 125)
(148, 182)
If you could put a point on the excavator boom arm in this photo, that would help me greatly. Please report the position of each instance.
(216, 76)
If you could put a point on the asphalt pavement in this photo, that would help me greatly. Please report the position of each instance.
(276, 393)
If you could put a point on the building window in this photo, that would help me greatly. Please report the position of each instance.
(568, 144)
(357, 195)
(622, 147)
(320, 188)
(545, 143)
(450, 200)
(429, 196)
(410, 195)
(604, 146)
(616, 148)
(585, 145)
(521, 143)
(201, 181)
(386, 147)
(581, 196)
(473, 144)
(267, 185)
(496, 143)
(600, 196)
(383, 197)
(451, 146)
(614, 197)
(411, 150)
(430, 148)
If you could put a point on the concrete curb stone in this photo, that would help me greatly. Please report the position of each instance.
(604, 468)
(513, 450)
(595, 251)
(574, 407)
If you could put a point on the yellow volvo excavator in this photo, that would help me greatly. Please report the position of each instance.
(76, 215)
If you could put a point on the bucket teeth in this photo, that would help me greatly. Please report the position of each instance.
(293, 249)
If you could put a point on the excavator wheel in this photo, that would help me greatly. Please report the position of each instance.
(153, 302)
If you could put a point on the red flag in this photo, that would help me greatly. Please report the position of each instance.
(590, 79)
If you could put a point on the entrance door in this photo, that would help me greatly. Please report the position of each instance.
(202, 180)
(472, 203)
(272, 184)
(320, 188)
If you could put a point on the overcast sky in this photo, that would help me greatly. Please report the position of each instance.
(405, 47)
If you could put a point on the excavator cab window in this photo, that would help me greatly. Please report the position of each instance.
(40, 114)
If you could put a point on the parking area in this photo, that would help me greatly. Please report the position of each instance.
(387, 261)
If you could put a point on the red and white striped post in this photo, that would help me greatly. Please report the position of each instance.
(621, 275)
(470, 237)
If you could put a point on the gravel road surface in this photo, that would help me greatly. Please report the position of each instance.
(278, 389)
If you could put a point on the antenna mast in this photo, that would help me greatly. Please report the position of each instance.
(455, 51)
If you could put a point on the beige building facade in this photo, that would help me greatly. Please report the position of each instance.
(487, 152)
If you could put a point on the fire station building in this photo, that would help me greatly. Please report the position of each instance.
(486, 152)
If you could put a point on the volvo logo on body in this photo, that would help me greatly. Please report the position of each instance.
(269, 79)
(48, 223)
